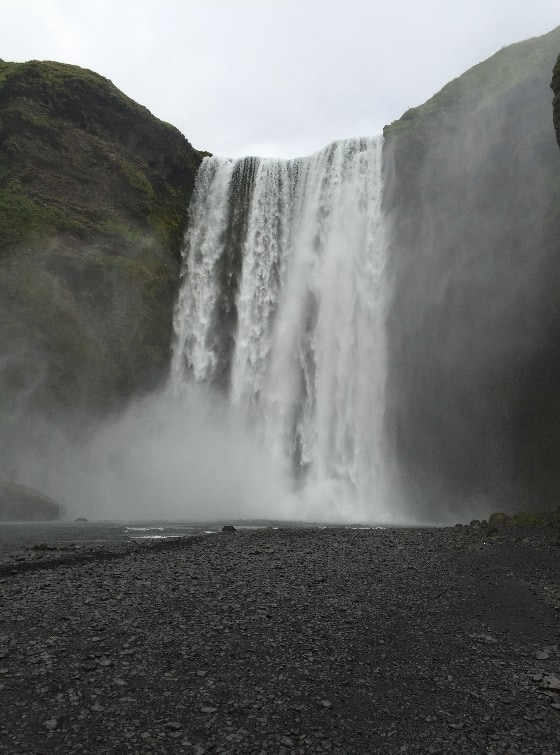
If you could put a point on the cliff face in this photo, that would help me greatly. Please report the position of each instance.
(555, 86)
(474, 324)
(93, 197)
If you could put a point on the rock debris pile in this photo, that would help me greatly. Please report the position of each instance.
(284, 641)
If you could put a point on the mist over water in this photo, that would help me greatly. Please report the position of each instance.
(282, 312)
(275, 402)
(163, 458)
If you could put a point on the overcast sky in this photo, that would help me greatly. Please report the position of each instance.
(272, 77)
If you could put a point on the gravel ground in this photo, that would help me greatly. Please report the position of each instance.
(284, 641)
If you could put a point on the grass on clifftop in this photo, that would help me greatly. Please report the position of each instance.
(60, 77)
(64, 128)
(483, 84)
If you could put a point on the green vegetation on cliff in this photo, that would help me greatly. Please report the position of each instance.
(93, 208)
(79, 156)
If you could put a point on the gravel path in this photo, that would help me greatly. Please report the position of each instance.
(284, 641)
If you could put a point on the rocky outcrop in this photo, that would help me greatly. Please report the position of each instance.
(555, 86)
(474, 323)
(93, 199)
(21, 503)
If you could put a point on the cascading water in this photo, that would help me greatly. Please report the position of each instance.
(282, 307)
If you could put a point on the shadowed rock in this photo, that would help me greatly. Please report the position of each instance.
(21, 503)
(555, 86)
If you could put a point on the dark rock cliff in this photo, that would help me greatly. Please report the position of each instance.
(93, 198)
(473, 193)
(555, 85)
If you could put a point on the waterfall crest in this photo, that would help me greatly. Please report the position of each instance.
(282, 308)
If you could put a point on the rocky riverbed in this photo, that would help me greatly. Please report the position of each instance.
(284, 641)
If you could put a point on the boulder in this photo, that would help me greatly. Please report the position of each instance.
(21, 503)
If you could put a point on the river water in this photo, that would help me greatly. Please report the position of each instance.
(14, 535)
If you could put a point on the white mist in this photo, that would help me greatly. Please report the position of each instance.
(308, 369)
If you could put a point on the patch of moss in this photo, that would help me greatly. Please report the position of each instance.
(168, 218)
(23, 219)
(17, 215)
(136, 178)
(114, 229)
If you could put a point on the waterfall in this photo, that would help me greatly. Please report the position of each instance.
(282, 308)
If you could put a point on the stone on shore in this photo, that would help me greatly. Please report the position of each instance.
(312, 641)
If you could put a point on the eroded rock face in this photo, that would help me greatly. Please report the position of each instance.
(21, 503)
(555, 85)
(93, 198)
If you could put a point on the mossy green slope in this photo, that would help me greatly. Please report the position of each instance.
(93, 199)
(473, 191)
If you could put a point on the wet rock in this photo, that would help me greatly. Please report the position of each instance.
(173, 725)
(276, 627)
(22, 503)
(551, 682)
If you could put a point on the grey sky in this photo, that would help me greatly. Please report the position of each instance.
(272, 77)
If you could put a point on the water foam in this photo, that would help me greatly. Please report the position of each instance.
(282, 307)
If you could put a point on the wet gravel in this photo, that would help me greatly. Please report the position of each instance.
(284, 641)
